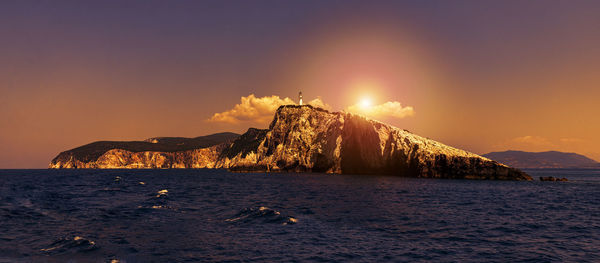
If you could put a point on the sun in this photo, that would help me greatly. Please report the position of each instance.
(365, 103)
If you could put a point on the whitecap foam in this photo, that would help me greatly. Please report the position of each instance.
(262, 214)
(64, 245)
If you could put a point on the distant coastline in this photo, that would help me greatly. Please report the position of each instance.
(543, 160)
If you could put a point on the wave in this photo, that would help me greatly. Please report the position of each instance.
(262, 214)
(65, 245)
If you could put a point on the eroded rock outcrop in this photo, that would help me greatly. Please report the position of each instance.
(305, 138)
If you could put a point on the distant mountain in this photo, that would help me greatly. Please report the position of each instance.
(550, 159)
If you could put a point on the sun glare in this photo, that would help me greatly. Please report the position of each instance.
(365, 103)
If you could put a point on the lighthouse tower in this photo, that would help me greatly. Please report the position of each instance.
(300, 98)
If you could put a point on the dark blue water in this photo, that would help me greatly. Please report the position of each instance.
(214, 215)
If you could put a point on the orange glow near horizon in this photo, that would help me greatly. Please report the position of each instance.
(68, 79)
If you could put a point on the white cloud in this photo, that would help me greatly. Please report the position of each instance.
(258, 110)
(388, 109)
(319, 103)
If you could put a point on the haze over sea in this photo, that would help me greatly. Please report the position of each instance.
(219, 216)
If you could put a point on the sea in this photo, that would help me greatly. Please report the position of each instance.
(203, 215)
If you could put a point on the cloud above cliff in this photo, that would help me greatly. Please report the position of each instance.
(258, 109)
(388, 109)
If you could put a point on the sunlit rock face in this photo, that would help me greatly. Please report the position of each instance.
(164, 152)
(118, 158)
(302, 138)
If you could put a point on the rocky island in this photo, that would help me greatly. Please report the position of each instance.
(300, 138)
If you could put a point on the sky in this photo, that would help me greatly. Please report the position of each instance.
(478, 75)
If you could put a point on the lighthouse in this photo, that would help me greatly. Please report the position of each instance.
(300, 98)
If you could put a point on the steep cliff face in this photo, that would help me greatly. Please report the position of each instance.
(304, 138)
(300, 138)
